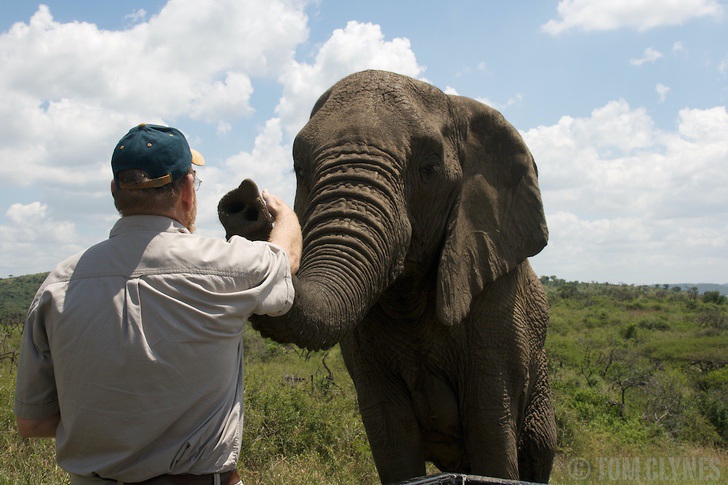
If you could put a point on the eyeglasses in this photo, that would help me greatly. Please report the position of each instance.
(197, 181)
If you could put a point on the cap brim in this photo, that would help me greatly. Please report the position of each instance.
(197, 157)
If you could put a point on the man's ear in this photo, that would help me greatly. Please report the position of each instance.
(187, 197)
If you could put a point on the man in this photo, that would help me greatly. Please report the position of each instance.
(132, 352)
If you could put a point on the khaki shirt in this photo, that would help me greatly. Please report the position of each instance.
(137, 343)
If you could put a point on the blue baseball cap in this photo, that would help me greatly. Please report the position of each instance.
(161, 151)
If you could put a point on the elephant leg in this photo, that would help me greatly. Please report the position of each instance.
(538, 439)
(394, 437)
(492, 409)
(387, 413)
(490, 439)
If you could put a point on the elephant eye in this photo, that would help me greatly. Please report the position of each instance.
(430, 165)
(429, 168)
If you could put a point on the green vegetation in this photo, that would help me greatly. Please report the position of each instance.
(17, 293)
(639, 379)
(639, 373)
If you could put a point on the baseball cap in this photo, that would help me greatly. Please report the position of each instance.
(161, 151)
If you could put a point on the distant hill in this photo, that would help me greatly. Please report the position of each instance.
(703, 287)
(16, 293)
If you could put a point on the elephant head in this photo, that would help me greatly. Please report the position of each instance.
(397, 181)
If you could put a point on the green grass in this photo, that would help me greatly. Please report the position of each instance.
(23, 461)
(302, 426)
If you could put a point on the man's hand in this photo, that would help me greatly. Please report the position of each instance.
(286, 231)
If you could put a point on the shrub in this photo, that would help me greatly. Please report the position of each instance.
(714, 297)
(301, 411)
(660, 323)
(713, 317)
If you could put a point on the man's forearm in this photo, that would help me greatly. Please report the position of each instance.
(286, 233)
(38, 428)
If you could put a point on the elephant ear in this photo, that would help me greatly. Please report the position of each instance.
(499, 220)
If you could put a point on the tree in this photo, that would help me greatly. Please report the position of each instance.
(714, 297)
(568, 290)
(627, 370)
(713, 317)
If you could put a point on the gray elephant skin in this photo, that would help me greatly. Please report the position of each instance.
(419, 211)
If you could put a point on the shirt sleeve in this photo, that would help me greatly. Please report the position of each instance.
(276, 291)
(35, 390)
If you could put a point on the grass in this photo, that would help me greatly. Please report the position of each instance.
(301, 421)
(302, 425)
(23, 461)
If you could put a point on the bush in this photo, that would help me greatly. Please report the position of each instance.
(301, 415)
(714, 297)
(713, 317)
(654, 324)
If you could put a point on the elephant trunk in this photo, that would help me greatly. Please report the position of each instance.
(349, 254)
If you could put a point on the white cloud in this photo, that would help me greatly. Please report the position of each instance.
(723, 67)
(481, 67)
(225, 99)
(512, 101)
(357, 47)
(649, 55)
(590, 15)
(709, 125)
(137, 16)
(30, 213)
(269, 161)
(621, 194)
(662, 91)
(33, 238)
(58, 79)
(678, 48)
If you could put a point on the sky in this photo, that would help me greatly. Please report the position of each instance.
(622, 103)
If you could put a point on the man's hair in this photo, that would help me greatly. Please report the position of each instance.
(154, 201)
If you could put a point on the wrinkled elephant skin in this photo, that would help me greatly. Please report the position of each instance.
(419, 211)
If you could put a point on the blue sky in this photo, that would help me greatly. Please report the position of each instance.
(622, 103)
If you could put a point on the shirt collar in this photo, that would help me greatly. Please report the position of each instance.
(147, 223)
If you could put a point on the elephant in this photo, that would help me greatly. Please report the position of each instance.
(419, 213)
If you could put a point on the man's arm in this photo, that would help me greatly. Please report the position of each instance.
(286, 232)
(38, 428)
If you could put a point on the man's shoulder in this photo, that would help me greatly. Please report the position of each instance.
(215, 254)
(64, 270)
(58, 279)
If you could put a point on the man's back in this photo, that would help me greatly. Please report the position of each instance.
(144, 331)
